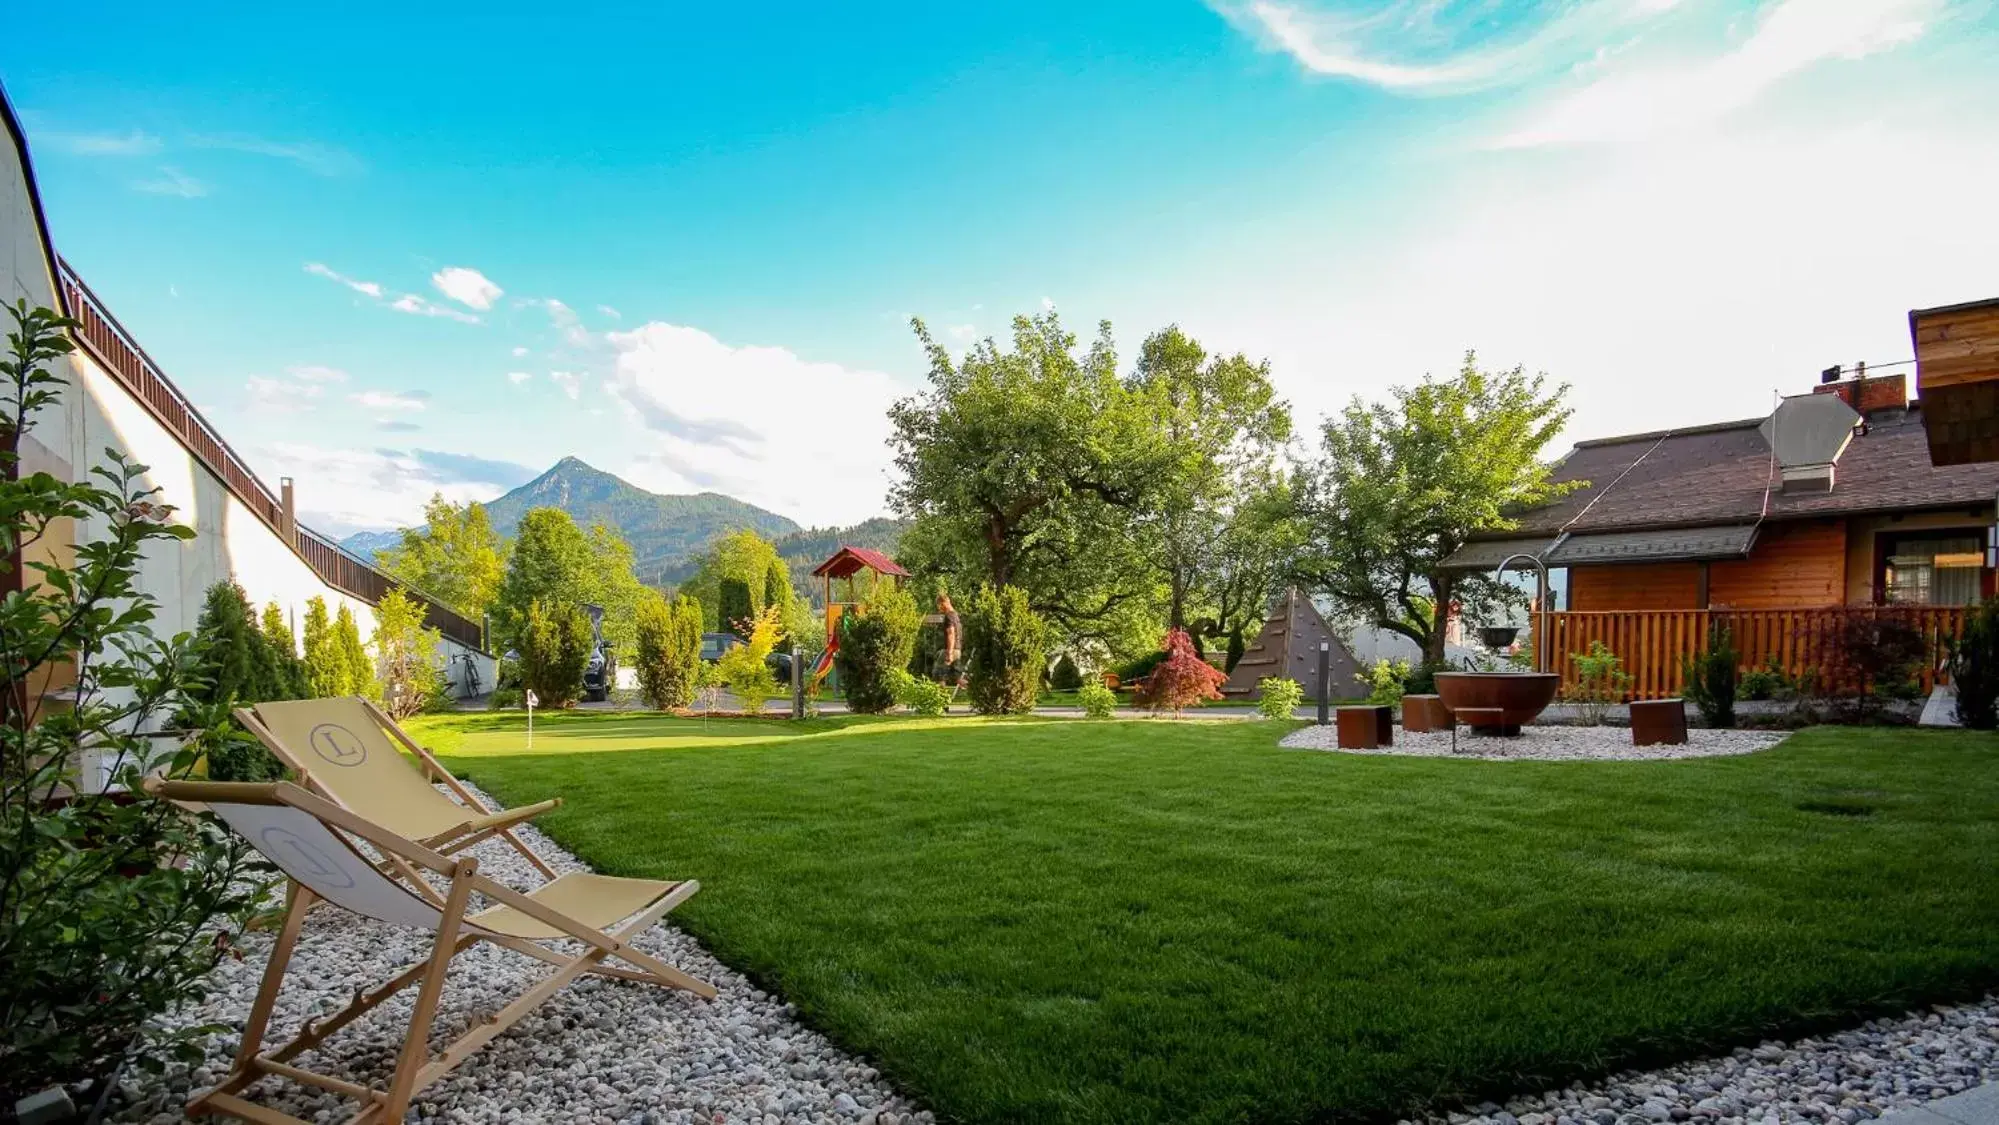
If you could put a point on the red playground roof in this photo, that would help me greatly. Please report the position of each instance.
(849, 561)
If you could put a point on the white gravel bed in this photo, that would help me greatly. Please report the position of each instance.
(600, 1051)
(1835, 1079)
(1548, 744)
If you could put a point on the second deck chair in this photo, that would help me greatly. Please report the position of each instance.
(341, 748)
(308, 837)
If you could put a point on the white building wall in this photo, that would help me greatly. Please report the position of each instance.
(96, 411)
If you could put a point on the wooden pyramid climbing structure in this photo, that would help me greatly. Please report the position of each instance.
(1289, 646)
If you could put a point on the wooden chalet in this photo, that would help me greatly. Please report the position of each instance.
(1831, 502)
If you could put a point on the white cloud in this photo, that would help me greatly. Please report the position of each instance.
(813, 444)
(419, 306)
(519, 352)
(962, 333)
(570, 382)
(365, 288)
(1792, 35)
(519, 377)
(1047, 304)
(610, 312)
(467, 286)
(1427, 47)
(314, 373)
(131, 143)
(404, 303)
(345, 490)
(281, 395)
(390, 400)
(320, 159)
(567, 322)
(172, 181)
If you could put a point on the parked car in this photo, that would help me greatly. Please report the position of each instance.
(713, 645)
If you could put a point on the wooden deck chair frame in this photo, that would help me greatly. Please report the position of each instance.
(481, 823)
(416, 1067)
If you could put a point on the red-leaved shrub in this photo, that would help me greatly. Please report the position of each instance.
(1182, 679)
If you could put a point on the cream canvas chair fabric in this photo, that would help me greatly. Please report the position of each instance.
(342, 748)
(311, 839)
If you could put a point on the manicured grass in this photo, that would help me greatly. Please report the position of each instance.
(1058, 921)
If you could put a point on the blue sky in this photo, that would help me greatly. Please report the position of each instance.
(409, 250)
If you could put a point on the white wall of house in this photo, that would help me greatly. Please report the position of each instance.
(97, 411)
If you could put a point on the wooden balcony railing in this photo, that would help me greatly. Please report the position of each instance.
(1655, 644)
(117, 352)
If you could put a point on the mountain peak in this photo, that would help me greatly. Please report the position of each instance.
(662, 530)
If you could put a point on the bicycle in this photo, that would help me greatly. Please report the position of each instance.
(470, 680)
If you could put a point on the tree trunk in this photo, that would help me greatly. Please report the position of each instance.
(1440, 616)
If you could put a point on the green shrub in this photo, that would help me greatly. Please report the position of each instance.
(1279, 696)
(233, 755)
(1135, 671)
(406, 656)
(1601, 682)
(1974, 667)
(1099, 702)
(1066, 676)
(505, 699)
(922, 695)
(876, 641)
(1710, 678)
(1422, 679)
(745, 668)
(1766, 682)
(1386, 681)
(733, 608)
(288, 669)
(354, 658)
(555, 648)
(669, 651)
(1006, 644)
(113, 910)
(236, 667)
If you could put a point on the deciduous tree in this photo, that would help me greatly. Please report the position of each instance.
(1400, 486)
(1026, 468)
(455, 557)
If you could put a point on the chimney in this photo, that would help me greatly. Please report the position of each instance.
(1868, 393)
(287, 512)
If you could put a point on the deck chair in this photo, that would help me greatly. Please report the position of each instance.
(340, 748)
(311, 839)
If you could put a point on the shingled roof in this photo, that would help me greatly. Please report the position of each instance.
(1718, 474)
(1716, 477)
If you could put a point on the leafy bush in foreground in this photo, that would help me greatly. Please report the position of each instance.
(1280, 696)
(1098, 701)
(1006, 644)
(112, 910)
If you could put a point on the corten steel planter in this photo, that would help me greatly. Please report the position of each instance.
(1658, 722)
(1365, 727)
(1517, 697)
(1422, 714)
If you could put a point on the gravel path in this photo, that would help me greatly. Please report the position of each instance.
(1549, 744)
(1835, 1079)
(599, 1051)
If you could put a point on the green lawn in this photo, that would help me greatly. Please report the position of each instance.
(1055, 921)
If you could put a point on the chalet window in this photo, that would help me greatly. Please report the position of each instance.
(1943, 569)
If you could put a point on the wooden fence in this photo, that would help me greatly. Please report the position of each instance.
(1655, 644)
(117, 352)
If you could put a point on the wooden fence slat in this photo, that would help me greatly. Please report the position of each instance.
(1655, 644)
